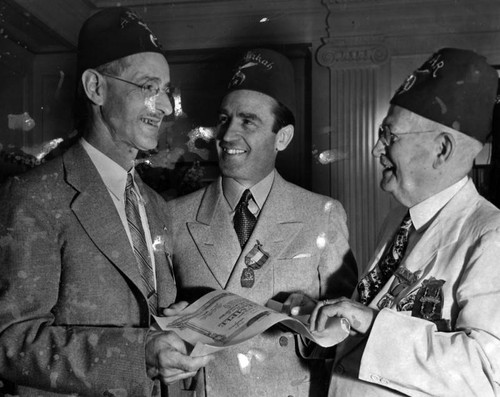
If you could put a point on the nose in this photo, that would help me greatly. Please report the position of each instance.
(164, 103)
(227, 131)
(379, 149)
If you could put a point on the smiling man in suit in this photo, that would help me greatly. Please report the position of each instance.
(257, 235)
(425, 313)
(82, 260)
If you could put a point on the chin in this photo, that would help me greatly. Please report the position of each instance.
(148, 144)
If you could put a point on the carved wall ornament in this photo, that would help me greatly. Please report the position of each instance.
(352, 56)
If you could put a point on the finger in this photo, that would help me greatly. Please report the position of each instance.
(314, 315)
(177, 377)
(174, 361)
(294, 299)
(175, 308)
(295, 311)
(324, 315)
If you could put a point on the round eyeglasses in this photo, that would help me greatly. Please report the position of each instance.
(149, 89)
(387, 137)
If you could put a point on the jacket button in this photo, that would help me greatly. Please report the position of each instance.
(283, 341)
(339, 369)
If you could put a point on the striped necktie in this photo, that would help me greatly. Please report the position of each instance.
(139, 243)
(244, 221)
(373, 282)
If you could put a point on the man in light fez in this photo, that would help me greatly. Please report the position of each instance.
(425, 315)
(254, 234)
(83, 265)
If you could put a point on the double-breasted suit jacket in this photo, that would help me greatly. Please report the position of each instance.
(441, 336)
(73, 309)
(306, 237)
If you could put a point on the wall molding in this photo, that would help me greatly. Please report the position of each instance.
(361, 52)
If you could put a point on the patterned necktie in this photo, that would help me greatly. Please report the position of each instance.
(371, 284)
(139, 242)
(244, 220)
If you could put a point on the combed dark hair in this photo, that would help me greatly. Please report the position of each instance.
(282, 117)
(82, 104)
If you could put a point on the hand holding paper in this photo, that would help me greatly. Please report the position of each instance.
(221, 319)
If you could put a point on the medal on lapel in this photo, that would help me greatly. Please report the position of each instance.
(402, 279)
(429, 300)
(247, 278)
(254, 260)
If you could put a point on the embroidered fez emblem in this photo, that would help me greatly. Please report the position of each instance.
(239, 77)
(130, 17)
(431, 67)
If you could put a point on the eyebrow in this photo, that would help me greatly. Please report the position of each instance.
(251, 116)
(147, 77)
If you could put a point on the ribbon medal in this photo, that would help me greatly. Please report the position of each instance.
(255, 259)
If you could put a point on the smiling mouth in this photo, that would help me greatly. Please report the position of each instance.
(151, 122)
(232, 151)
(386, 163)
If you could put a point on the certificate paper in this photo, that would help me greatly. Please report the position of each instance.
(221, 319)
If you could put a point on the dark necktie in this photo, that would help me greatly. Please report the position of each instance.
(244, 220)
(371, 284)
(139, 242)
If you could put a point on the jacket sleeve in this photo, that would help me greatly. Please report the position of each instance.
(337, 269)
(410, 355)
(35, 350)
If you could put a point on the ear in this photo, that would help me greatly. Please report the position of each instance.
(283, 137)
(93, 85)
(445, 144)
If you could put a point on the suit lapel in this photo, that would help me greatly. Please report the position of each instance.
(214, 235)
(97, 214)
(275, 230)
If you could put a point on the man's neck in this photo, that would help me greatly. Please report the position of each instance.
(118, 152)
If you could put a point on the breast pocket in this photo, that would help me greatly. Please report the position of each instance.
(297, 274)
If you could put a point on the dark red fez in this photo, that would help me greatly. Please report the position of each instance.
(456, 88)
(268, 72)
(111, 34)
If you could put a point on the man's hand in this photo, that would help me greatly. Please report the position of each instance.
(359, 316)
(167, 358)
(298, 304)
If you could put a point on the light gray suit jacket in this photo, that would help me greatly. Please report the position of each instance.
(305, 235)
(73, 311)
(405, 354)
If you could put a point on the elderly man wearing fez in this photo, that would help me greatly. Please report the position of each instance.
(82, 254)
(425, 315)
(257, 235)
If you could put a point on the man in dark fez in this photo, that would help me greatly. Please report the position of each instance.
(425, 315)
(254, 234)
(83, 264)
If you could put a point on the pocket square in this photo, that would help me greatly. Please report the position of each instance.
(305, 255)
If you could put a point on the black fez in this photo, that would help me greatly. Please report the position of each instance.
(456, 88)
(268, 72)
(111, 34)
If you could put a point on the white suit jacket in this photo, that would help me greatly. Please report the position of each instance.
(407, 355)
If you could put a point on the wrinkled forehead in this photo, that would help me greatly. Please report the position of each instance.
(399, 119)
(149, 65)
(241, 100)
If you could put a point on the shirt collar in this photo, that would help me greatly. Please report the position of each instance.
(423, 212)
(233, 190)
(112, 174)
